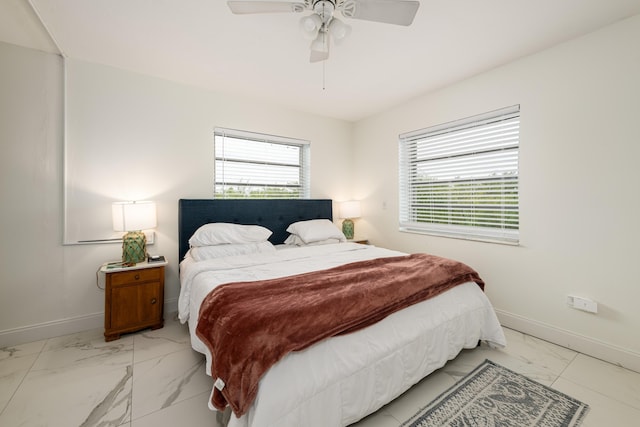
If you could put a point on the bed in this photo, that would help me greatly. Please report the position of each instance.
(338, 380)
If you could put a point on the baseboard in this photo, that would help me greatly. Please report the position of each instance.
(580, 343)
(56, 328)
(51, 329)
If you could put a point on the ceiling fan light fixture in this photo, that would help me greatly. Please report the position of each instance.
(339, 30)
(310, 26)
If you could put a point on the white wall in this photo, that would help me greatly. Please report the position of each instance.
(579, 223)
(140, 137)
(32, 289)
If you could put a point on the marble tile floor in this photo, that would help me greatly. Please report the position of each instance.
(154, 378)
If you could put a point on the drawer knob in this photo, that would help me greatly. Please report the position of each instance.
(153, 300)
(137, 277)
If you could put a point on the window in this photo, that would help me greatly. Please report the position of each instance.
(460, 179)
(253, 165)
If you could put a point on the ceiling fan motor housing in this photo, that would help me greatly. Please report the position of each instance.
(324, 9)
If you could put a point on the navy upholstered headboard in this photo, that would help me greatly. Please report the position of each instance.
(276, 215)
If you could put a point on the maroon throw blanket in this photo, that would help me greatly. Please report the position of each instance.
(249, 326)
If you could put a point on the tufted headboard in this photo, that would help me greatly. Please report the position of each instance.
(276, 215)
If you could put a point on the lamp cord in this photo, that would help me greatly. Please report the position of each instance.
(98, 276)
(115, 263)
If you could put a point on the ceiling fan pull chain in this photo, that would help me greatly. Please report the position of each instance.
(324, 63)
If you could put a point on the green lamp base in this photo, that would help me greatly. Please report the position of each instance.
(134, 247)
(347, 228)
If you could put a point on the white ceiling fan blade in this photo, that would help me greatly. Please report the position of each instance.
(245, 7)
(398, 12)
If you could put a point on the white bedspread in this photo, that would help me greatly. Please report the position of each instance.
(340, 380)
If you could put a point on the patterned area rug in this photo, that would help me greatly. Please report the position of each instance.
(493, 396)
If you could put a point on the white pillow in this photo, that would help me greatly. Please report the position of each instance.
(221, 233)
(315, 230)
(201, 253)
(295, 240)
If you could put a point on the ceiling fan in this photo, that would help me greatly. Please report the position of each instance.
(322, 24)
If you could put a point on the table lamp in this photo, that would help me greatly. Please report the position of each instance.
(133, 217)
(348, 211)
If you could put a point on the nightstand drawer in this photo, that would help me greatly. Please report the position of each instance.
(135, 276)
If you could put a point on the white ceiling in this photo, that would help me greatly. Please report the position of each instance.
(199, 42)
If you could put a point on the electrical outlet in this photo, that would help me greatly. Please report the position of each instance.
(583, 304)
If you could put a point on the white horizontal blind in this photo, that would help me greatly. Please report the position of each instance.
(253, 165)
(460, 179)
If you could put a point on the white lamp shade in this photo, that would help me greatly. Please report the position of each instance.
(133, 216)
(350, 209)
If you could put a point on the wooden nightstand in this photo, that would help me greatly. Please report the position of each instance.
(133, 298)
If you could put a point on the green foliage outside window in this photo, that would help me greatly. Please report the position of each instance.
(467, 203)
